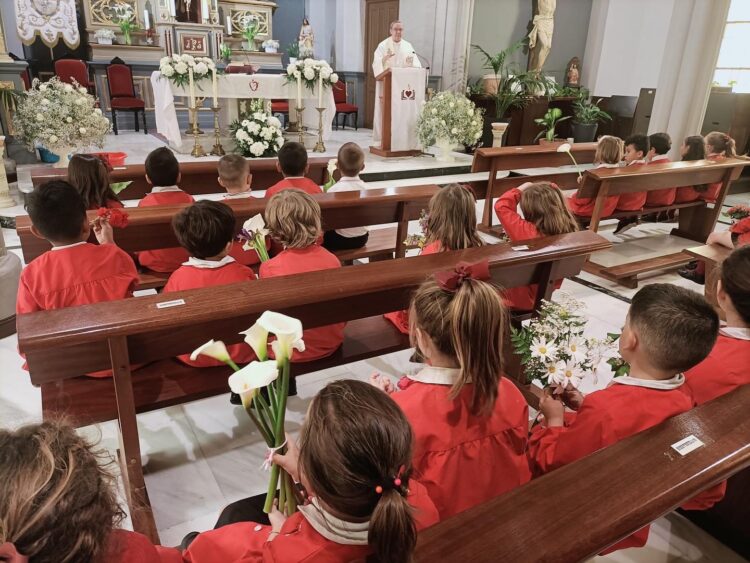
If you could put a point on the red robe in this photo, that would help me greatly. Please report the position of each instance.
(687, 194)
(322, 341)
(302, 183)
(401, 318)
(298, 540)
(741, 232)
(168, 259)
(584, 206)
(658, 198)
(463, 459)
(604, 418)
(193, 277)
(517, 228)
(633, 201)
(713, 190)
(131, 547)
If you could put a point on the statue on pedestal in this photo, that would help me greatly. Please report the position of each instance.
(540, 38)
(306, 40)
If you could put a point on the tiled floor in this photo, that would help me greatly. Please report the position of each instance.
(200, 456)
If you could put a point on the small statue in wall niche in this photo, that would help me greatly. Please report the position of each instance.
(306, 40)
(573, 72)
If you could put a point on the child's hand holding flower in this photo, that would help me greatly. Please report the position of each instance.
(383, 383)
(552, 409)
(289, 461)
(103, 231)
(277, 519)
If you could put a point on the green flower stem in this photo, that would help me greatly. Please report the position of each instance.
(273, 397)
(291, 501)
(268, 413)
(262, 427)
(232, 365)
(260, 247)
(282, 492)
(278, 434)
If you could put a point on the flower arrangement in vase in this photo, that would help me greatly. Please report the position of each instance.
(270, 46)
(60, 117)
(125, 20)
(104, 36)
(447, 120)
(257, 134)
(249, 25)
(177, 68)
(309, 72)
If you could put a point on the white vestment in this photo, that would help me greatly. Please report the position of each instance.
(402, 51)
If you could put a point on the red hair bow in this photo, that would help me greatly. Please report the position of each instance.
(452, 279)
(9, 554)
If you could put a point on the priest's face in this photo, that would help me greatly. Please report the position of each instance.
(397, 29)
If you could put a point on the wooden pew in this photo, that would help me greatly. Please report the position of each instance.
(696, 219)
(496, 159)
(712, 255)
(62, 344)
(196, 177)
(578, 510)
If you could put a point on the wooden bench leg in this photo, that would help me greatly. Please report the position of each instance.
(130, 449)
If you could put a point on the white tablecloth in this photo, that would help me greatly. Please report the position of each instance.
(238, 86)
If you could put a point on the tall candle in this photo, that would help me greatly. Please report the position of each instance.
(172, 8)
(146, 22)
(204, 11)
(192, 89)
(216, 90)
(229, 25)
(299, 91)
(320, 91)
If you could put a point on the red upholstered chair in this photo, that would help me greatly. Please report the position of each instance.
(342, 107)
(122, 94)
(69, 70)
(280, 106)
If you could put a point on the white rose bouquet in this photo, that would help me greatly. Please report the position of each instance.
(310, 70)
(58, 115)
(257, 134)
(176, 68)
(451, 117)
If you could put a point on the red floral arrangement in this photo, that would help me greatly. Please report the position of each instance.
(115, 216)
(738, 212)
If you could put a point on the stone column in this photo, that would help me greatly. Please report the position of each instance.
(498, 131)
(4, 58)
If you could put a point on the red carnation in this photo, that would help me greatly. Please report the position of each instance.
(116, 217)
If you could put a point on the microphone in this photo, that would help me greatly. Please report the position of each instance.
(426, 64)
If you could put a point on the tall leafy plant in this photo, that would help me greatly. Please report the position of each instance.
(587, 112)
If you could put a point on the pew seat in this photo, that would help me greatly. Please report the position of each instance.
(381, 242)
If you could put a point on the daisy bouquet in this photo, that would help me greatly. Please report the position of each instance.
(419, 240)
(257, 134)
(253, 234)
(553, 349)
(266, 409)
(177, 68)
(449, 117)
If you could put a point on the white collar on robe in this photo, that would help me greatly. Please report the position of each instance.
(735, 332)
(436, 376)
(208, 264)
(661, 384)
(161, 189)
(63, 247)
(332, 528)
(239, 195)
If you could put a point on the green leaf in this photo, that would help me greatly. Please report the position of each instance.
(117, 187)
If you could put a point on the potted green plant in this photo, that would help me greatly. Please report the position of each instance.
(586, 118)
(293, 51)
(551, 118)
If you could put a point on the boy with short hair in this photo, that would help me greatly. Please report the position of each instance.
(292, 163)
(350, 161)
(163, 173)
(660, 144)
(668, 330)
(206, 231)
(636, 149)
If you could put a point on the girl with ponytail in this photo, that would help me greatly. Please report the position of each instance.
(470, 423)
(718, 147)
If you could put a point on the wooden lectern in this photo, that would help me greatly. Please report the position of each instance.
(408, 85)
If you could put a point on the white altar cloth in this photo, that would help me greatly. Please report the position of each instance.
(238, 86)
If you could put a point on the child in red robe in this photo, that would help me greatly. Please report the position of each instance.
(206, 231)
(609, 153)
(693, 148)
(545, 213)
(163, 173)
(668, 330)
(59, 504)
(451, 225)
(659, 145)
(292, 163)
(354, 460)
(293, 220)
(470, 423)
(89, 175)
(636, 149)
(718, 146)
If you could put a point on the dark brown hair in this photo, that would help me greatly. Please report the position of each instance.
(356, 438)
(452, 219)
(58, 503)
(544, 205)
(205, 228)
(292, 158)
(233, 169)
(293, 218)
(735, 279)
(57, 211)
(660, 142)
(639, 142)
(350, 159)
(468, 325)
(677, 327)
(89, 175)
(696, 146)
(162, 167)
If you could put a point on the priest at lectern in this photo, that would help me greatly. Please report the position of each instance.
(393, 52)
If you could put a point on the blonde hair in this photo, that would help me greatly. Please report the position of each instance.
(609, 150)
(468, 325)
(721, 143)
(452, 219)
(350, 159)
(293, 218)
(544, 205)
(58, 503)
(233, 169)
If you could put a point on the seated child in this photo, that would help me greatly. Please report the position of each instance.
(206, 231)
(544, 214)
(163, 173)
(292, 163)
(660, 144)
(609, 152)
(718, 146)
(468, 420)
(74, 272)
(59, 504)
(693, 148)
(668, 330)
(351, 161)
(354, 468)
(451, 225)
(293, 220)
(636, 149)
(89, 175)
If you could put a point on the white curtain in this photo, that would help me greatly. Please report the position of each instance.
(693, 42)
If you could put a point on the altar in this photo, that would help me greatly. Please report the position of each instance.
(233, 92)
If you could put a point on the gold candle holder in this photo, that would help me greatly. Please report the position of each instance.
(319, 146)
(193, 127)
(217, 150)
(197, 151)
(300, 129)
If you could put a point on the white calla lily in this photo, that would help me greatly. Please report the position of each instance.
(215, 349)
(288, 333)
(256, 224)
(252, 377)
(565, 147)
(257, 338)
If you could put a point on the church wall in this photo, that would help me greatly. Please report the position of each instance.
(287, 19)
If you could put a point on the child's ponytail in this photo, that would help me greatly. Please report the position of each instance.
(393, 533)
(721, 143)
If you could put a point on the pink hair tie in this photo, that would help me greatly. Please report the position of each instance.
(9, 554)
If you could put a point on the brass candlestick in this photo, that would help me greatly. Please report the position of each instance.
(197, 151)
(299, 125)
(218, 150)
(319, 146)
(193, 124)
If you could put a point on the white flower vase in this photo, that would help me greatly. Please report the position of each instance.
(445, 147)
(64, 153)
(271, 50)
(104, 41)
